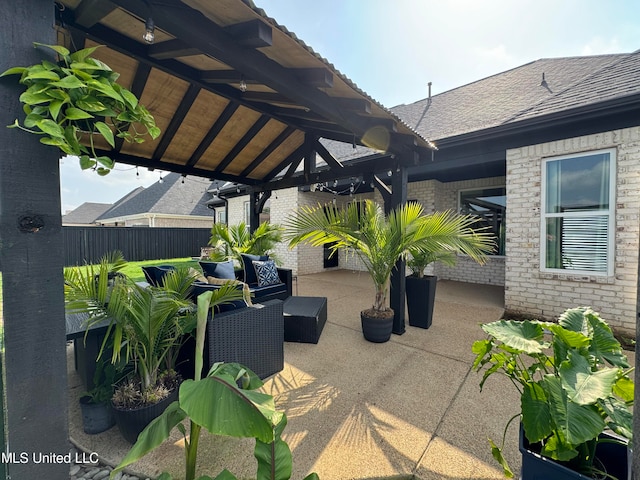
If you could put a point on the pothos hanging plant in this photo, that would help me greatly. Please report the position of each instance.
(77, 98)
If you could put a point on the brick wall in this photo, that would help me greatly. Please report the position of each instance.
(531, 292)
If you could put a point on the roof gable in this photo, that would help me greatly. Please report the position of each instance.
(174, 195)
(86, 213)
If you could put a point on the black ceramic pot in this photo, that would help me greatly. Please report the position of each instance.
(376, 329)
(131, 422)
(96, 417)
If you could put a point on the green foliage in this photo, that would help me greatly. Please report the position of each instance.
(77, 97)
(225, 402)
(231, 241)
(379, 241)
(573, 380)
(450, 234)
(104, 380)
(147, 324)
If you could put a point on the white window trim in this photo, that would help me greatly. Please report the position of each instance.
(612, 215)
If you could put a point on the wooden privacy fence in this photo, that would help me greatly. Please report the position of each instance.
(88, 244)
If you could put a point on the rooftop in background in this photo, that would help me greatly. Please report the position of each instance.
(173, 195)
(85, 214)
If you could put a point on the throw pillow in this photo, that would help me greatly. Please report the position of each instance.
(219, 269)
(249, 270)
(246, 293)
(266, 272)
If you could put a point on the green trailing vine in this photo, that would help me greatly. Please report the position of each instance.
(77, 98)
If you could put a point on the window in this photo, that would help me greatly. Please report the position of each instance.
(222, 216)
(578, 218)
(247, 213)
(488, 205)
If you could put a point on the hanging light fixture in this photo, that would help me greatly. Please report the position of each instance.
(243, 84)
(149, 31)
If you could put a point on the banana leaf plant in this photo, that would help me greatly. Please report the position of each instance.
(573, 379)
(75, 98)
(224, 402)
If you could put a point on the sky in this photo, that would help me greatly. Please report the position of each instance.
(392, 49)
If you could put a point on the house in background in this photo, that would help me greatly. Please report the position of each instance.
(85, 215)
(547, 155)
(173, 201)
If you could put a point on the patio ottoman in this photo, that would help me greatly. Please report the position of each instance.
(304, 318)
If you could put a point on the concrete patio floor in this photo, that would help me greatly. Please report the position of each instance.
(408, 408)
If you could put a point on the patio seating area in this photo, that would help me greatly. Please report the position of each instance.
(409, 408)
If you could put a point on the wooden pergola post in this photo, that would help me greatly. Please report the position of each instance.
(31, 261)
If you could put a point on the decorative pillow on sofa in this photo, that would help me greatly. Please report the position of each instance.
(266, 272)
(219, 269)
(249, 271)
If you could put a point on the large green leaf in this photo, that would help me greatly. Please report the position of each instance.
(573, 319)
(576, 423)
(274, 459)
(604, 345)
(50, 128)
(524, 336)
(42, 75)
(73, 113)
(536, 418)
(584, 386)
(218, 405)
(69, 82)
(106, 132)
(34, 98)
(620, 418)
(624, 388)
(496, 452)
(154, 434)
(558, 449)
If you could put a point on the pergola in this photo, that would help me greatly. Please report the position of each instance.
(237, 97)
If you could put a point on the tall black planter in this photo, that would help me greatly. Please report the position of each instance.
(376, 329)
(421, 295)
(132, 422)
(613, 457)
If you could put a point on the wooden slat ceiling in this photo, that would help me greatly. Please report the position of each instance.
(190, 78)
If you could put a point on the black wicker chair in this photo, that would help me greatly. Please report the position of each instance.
(253, 337)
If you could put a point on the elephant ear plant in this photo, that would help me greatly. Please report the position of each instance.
(78, 97)
(573, 379)
(225, 402)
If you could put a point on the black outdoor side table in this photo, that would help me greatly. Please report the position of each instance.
(86, 348)
(304, 318)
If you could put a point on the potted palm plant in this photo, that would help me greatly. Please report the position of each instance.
(379, 241)
(229, 242)
(574, 384)
(70, 102)
(147, 327)
(451, 233)
(224, 401)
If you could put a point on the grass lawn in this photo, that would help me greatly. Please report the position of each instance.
(133, 270)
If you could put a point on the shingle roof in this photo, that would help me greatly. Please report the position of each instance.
(617, 79)
(170, 196)
(86, 213)
(504, 97)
